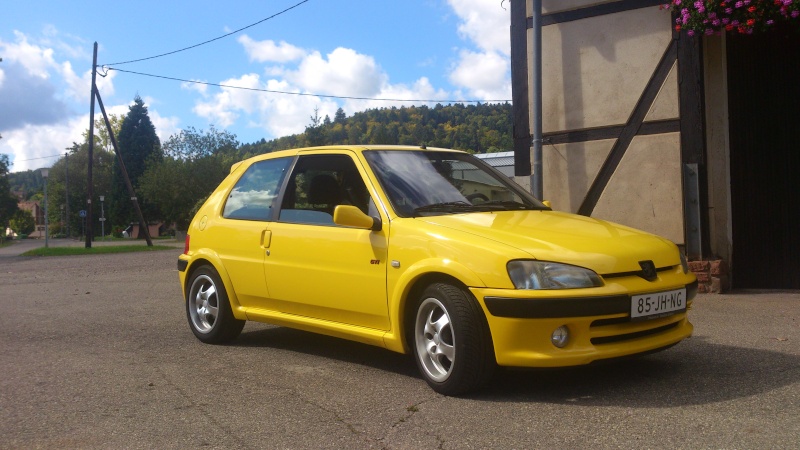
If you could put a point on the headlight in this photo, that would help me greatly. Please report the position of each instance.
(684, 264)
(549, 275)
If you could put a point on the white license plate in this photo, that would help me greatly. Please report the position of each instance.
(658, 304)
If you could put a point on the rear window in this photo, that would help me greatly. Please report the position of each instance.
(253, 196)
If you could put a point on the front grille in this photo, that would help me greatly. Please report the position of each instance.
(629, 336)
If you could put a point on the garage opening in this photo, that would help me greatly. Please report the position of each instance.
(764, 107)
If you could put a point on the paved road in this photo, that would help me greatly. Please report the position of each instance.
(95, 352)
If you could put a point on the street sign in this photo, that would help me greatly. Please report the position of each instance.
(82, 213)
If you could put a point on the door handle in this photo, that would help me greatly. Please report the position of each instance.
(266, 238)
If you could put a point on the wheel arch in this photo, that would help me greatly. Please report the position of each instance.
(410, 286)
(204, 257)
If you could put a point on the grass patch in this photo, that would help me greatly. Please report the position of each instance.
(68, 251)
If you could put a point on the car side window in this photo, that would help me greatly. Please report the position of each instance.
(253, 196)
(318, 184)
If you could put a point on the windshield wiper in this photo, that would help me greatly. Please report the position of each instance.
(504, 205)
(451, 207)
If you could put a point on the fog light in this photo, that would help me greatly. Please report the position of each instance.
(560, 337)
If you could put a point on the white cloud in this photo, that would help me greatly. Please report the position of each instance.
(485, 23)
(78, 88)
(484, 74)
(201, 88)
(35, 146)
(224, 107)
(37, 61)
(345, 72)
(268, 51)
(421, 89)
(165, 126)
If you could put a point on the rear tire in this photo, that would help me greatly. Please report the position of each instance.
(451, 340)
(208, 308)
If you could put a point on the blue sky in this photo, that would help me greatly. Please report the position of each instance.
(374, 49)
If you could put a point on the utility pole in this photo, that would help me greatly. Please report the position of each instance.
(88, 219)
(66, 188)
(537, 185)
(142, 223)
(90, 182)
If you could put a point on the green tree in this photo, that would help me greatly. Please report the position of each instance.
(102, 137)
(139, 146)
(193, 165)
(314, 131)
(22, 222)
(8, 203)
(74, 168)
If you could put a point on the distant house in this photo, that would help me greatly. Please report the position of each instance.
(37, 211)
(502, 161)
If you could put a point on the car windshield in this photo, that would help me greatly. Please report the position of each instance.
(421, 183)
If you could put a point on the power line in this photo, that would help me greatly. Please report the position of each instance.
(305, 94)
(34, 159)
(210, 40)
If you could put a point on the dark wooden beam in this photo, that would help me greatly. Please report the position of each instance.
(691, 96)
(610, 132)
(520, 105)
(594, 11)
(630, 130)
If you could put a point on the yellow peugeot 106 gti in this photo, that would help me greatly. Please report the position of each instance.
(427, 251)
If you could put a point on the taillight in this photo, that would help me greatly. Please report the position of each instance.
(186, 246)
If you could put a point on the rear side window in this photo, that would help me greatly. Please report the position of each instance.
(254, 195)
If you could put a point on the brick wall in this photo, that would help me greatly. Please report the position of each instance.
(712, 276)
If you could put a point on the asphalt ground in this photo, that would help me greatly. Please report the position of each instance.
(95, 352)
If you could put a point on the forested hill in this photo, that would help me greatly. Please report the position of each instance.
(481, 128)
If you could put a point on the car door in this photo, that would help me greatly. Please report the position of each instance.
(317, 269)
(241, 234)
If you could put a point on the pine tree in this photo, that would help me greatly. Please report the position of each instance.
(138, 144)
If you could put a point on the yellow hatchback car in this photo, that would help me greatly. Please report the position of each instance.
(427, 251)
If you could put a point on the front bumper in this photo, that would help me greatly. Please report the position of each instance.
(598, 319)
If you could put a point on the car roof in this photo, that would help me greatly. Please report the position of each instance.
(354, 148)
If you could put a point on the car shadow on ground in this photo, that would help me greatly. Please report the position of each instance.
(694, 372)
(289, 339)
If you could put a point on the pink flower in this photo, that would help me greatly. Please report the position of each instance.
(795, 13)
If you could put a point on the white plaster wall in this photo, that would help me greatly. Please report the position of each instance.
(594, 70)
(645, 192)
(666, 104)
(570, 170)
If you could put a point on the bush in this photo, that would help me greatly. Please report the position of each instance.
(22, 222)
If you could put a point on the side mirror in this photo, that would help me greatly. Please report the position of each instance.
(350, 216)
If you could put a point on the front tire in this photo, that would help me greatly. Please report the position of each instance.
(451, 342)
(208, 309)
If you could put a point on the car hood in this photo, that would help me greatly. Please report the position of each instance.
(602, 246)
